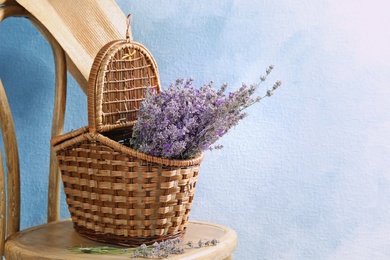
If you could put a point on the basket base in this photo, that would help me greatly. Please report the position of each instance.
(125, 241)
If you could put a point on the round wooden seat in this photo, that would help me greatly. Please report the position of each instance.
(50, 241)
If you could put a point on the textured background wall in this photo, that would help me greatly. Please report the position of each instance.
(306, 175)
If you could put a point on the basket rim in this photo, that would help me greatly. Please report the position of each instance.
(67, 140)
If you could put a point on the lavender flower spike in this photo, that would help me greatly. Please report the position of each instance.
(183, 121)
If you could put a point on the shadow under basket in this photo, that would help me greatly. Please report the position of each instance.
(118, 195)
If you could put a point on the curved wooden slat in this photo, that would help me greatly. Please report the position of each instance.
(59, 104)
(11, 10)
(81, 28)
(6, 2)
(10, 146)
(81, 36)
(66, 27)
(53, 208)
(2, 207)
(12, 164)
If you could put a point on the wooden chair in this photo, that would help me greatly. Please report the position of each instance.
(75, 39)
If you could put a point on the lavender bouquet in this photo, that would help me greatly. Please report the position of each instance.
(183, 121)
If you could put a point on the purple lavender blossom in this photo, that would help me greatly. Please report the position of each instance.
(183, 121)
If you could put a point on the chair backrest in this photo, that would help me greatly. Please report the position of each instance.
(75, 39)
(2, 206)
(81, 28)
(13, 178)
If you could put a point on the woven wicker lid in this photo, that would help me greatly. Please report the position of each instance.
(121, 74)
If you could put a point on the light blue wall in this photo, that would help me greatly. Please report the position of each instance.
(307, 174)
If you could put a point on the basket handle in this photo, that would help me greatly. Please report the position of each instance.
(128, 28)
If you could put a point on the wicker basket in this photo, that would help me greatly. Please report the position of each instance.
(116, 194)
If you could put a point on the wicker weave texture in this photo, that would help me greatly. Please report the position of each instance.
(121, 74)
(113, 193)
